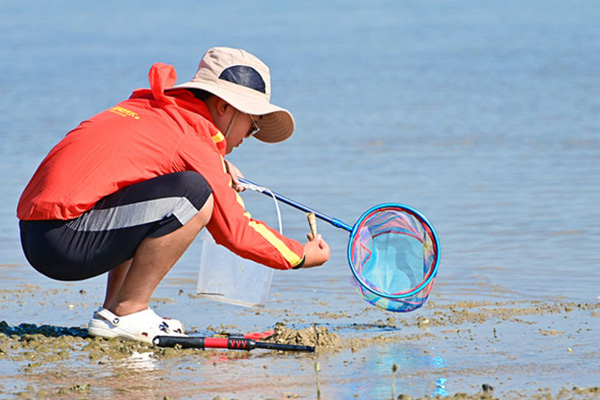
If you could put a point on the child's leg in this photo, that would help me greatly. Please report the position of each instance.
(151, 262)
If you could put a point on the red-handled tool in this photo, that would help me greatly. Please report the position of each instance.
(199, 342)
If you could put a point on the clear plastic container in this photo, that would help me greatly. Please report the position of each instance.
(226, 277)
(229, 278)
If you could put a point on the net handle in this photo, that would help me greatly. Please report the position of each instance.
(333, 221)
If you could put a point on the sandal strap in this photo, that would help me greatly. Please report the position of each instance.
(108, 316)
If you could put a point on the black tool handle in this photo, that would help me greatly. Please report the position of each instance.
(198, 342)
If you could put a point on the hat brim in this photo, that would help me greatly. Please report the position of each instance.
(276, 123)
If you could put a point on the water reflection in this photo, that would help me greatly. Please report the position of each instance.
(401, 368)
(440, 387)
(138, 362)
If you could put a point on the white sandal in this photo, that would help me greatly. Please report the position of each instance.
(142, 326)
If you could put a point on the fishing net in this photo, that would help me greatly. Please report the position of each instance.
(394, 254)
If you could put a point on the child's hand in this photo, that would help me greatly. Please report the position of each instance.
(235, 173)
(316, 252)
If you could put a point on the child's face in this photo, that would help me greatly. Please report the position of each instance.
(243, 127)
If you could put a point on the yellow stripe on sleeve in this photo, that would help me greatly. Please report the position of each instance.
(218, 137)
(281, 247)
(285, 251)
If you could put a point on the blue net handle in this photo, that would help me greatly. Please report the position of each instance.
(333, 221)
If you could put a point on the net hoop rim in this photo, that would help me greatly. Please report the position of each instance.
(430, 276)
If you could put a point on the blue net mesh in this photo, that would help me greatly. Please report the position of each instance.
(393, 253)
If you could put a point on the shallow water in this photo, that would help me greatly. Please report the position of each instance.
(484, 117)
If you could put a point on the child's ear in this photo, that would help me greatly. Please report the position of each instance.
(222, 106)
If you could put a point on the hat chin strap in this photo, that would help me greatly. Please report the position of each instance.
(231, 123)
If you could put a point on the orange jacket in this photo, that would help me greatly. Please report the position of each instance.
(152, 133)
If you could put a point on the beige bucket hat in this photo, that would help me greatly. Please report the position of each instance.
(243, 81)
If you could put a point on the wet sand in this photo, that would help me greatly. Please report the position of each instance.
(463, 350)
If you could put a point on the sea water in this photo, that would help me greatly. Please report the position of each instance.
(482, 116)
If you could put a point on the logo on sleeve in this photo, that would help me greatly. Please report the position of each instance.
(123, 112)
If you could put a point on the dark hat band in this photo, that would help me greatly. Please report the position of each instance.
(245, 76)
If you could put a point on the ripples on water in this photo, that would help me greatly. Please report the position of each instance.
(482, 116)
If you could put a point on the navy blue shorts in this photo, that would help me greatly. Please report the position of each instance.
(109, 234)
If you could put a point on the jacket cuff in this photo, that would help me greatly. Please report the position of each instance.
(301, 264)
